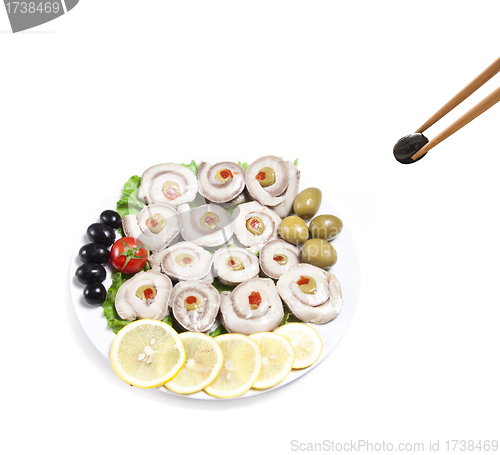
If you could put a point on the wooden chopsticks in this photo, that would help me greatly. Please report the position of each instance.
(470, 115)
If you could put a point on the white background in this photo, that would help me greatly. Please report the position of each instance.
(112, 87)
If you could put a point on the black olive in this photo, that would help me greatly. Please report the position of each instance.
(90, 273)
(94, 294)
(111, 218)
(101, 233)
(93, 252)
(407, 146)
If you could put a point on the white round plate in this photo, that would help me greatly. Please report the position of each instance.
(347, 270)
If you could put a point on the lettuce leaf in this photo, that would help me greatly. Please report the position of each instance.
(231, 209)
(218, 331)
(288, 317)
(130, 204)
(192, 166)
(222, 287)
(108, 307)
(115, 322)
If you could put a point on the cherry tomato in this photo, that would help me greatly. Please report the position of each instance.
(128, 255)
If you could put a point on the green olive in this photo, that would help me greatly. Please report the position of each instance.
(171, 190)
(184, 260)
(325, 227)
(255, 225)
(146, 292)
(294, 230)
(155, 223)
(266, 176)
(319, 252)
(223, 175)
(281, 259)
(235, 263)
(209, 220)
(307, 203)
(307, 284)
(192, 303)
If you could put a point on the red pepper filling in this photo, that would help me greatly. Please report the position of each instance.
(149, 294)
(277, 258)
(209, 220)
(254, 299)
(261, 176)
(151, 222)
(255, 224)
(171, 193)
(303, 280)
(231, 263)
(187, 260)
(190, 300)
(226, 174)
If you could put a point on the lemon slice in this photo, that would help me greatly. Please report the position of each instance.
(305, 341)
(147, 353)
(277, 358)
(203, 363)
(241, 366)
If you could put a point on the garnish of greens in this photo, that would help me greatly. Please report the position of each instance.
(130, 204)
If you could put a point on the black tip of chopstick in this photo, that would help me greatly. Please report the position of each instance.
(407, 146)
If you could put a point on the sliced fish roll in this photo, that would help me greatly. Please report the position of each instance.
(233, 265)
(185, 261)
(157, 225)
(156, 259)
(255, 225)
(195, 305)
(267, 179)
(221, 182)
(312, 294)
(168, 183)
(277, 256)
(253, 306)
(144, 296)
(150, 174)
(283, 209)
(207, 225)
